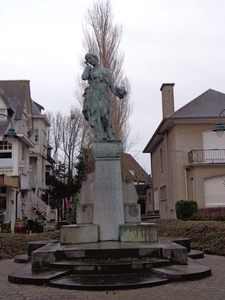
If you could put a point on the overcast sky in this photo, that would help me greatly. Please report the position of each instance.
(175, 41)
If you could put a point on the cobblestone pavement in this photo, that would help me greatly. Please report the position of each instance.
(211, 288)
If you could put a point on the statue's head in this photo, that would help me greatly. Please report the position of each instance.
(89, 56)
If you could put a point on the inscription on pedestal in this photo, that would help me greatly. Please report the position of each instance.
(108, 197)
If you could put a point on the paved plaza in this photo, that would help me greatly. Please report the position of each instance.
(211, 288)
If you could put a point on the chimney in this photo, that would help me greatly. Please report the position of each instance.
(167, 99)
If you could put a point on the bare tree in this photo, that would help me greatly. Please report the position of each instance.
(102, 37)
(66, 136)
(55, 132)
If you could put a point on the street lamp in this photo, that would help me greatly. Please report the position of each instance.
(219, 128)
(11, 133)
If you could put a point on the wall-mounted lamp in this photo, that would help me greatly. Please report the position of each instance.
(219, 128)
(11, 133)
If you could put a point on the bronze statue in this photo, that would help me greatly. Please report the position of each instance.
(96, 97)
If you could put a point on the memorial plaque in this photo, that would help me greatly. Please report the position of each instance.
(108, 196)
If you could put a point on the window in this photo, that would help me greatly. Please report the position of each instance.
(163, 193)
(3, 190)
(6, 155)
(214, 189)
(36, 135)
(213, 147)
(4, 145)
(156, 199)
(2, 198)
(23, 160)
(23, 154)
(149, 197)
(2, 203)
(22, 195)
(44, 137)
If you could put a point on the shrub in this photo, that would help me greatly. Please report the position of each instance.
(209, 214)
(185, 209)
(15, 244)
(205, 235)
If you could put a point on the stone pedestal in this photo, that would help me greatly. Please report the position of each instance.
(73, 234)
(139, 233)
(85, 209)
(108, 191)
(108, 200)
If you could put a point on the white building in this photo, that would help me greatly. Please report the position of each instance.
(23, 160)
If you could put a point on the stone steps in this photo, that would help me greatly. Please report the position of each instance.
(64, 279)
(194, 270)
(119, 266)
(25, 275)
(109, 265)
(107, 250)
(108, 282)
(157, 276)
(53, 252)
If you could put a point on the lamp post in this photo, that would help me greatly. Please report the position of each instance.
(219, 128)
(11, 133)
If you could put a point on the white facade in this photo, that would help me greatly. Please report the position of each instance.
(25, 159)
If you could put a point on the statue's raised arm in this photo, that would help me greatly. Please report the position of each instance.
(96, 97)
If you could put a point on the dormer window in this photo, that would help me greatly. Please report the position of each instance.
(36, 135)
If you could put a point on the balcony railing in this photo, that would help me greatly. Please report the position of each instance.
(50, 160)
(210, 156)
(7, 170)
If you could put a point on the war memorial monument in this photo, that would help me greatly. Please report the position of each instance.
(108, 247)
